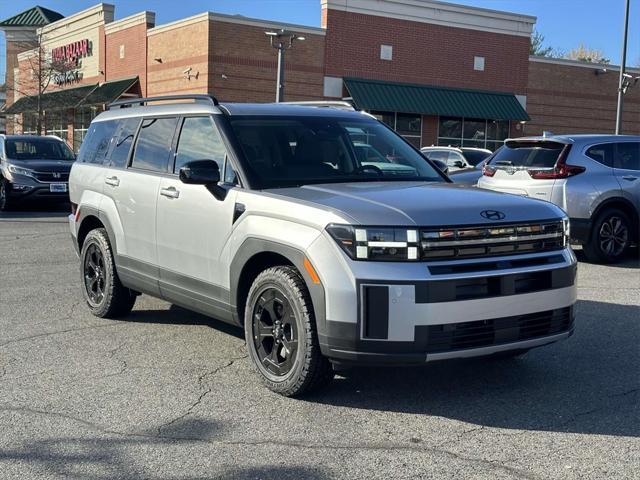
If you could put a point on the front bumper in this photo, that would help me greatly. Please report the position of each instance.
(23, 188)
(412, 313)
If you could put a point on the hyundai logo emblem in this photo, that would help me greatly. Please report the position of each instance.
(492, 214)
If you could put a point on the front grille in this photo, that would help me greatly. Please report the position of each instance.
(498, 331)
(490, 240)
(51, 176)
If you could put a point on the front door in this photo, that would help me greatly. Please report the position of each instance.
(626, 167)
(193, 226)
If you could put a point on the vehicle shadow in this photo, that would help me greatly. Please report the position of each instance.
(109, 455)
(176, 315)
(587, 384)
(631, 260)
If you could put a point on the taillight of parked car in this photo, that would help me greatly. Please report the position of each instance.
(561, 170)
(488, 170)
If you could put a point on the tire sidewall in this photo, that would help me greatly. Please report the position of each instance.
(95, 237)
(265, 281)
(4, 199)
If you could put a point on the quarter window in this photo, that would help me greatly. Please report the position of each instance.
(154, 144)
(95, 147)
(602, 153)
(199, 140)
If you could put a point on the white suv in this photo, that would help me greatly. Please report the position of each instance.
(265, 216)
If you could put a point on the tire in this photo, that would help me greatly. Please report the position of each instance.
(278, 320)
(106, 297)
(598, 249)
(5, 203)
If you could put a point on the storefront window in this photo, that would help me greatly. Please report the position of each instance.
(409, 125)
(29, 123)
(472, 132)
(81, 121)
(57, 124)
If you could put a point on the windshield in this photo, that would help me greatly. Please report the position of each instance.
(290, 151)
(527, 154)
(474, 157)
(38, 149)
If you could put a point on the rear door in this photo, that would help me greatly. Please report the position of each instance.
(626, 168)
(134, 190)
(519, 168)
(192, 224)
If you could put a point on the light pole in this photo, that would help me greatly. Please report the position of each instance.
(621, 83)
(282, 40)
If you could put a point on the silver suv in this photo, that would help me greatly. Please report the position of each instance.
(594, 178)
(264, 217)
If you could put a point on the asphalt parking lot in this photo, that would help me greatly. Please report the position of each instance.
(170, 394)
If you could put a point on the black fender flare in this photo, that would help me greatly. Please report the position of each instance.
(89, 211)
(253, 246)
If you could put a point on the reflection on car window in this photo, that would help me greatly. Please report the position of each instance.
(154, 144)
(296, 150)
(199, 140)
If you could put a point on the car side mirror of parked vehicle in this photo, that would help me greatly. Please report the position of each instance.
(200, 172)
(458, 164)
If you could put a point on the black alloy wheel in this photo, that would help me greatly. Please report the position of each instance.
(94, 275)
(275, 332)
(613, 236)
(4, 195)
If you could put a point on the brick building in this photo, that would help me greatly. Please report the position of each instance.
(436, 72)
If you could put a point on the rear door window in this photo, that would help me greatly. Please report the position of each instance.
(95, 147)
(627, 156)
(154, 144)
(528, 154)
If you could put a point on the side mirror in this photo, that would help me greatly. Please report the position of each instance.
(458, 164)
(200, 172)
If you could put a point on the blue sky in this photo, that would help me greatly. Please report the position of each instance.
(564, 23)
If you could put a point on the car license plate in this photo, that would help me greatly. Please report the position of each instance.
(58, 187)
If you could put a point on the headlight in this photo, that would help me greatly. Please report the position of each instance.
(567, 230)
(21, 171)
(375, 243)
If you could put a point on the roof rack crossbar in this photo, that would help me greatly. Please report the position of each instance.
(141, 101)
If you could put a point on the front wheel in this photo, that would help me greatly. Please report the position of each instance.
(281, 333)
(4, 195)
(610, 237)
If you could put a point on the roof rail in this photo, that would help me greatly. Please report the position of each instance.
(198, 97)
(324, 104)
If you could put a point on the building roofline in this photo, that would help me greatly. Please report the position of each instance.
(577, 63)
(440, 13)
(239, 19)
(104, 7)
(144, 17)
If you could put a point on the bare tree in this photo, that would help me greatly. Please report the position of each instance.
(42, 71)
(586, 54)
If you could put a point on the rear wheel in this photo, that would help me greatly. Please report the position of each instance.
(101, 287)
(610, 237)
(4, 195)
(281, 334)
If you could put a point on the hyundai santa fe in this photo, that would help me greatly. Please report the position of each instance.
(594, 178)
(269, 217)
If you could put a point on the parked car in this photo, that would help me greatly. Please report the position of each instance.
(451, 155)
(33, 168)
(594, 178)
(475, 156)
(263, 216)
(470, 176)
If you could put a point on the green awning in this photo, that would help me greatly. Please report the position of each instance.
(109, 91)
(430, 100)
(59, 99)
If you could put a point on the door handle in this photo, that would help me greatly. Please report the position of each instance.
(630, 178)
(113, 181)
(170, 192)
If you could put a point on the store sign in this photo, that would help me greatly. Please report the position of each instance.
(68, 59)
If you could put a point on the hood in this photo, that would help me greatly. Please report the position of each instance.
(63, 166)
(422, 204)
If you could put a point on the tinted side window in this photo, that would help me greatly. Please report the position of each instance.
(199, 140)
(96, 144)
(437, 155)
(601, 153)
(627, 155)
(455, 157)
(122, 142)
(154, 144)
